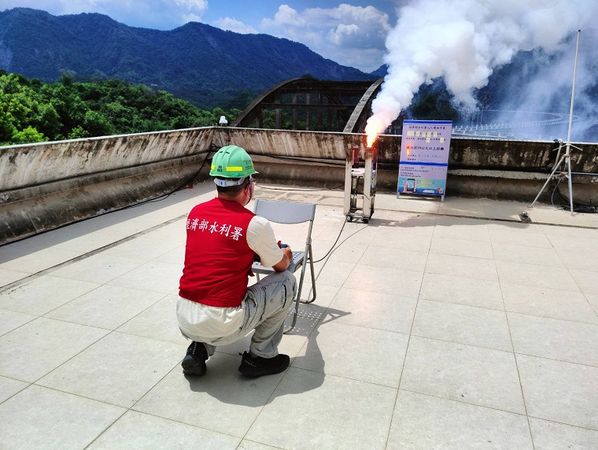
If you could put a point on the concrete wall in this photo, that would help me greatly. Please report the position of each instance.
(43, 186)
(479, 168)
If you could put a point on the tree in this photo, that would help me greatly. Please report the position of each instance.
(27, 135)
(31, 110)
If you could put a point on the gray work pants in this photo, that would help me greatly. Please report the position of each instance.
(265, 308)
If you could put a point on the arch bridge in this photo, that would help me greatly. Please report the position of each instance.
(310, 104)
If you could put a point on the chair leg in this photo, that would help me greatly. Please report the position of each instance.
(313, 278)
(294, 320)
(297, 299)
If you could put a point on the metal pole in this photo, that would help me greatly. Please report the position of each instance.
(568, 147)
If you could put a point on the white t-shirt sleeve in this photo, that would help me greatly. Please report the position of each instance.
(260, 238)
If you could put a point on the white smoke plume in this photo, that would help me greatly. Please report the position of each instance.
(546, 94)
(463, 41)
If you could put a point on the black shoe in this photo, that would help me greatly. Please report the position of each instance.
(256, 366)
(194, 362)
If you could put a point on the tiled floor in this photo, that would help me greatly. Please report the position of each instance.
(429, 331)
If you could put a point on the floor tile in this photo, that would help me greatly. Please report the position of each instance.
(412, 241)
(461, 228)
(461, 324)
(153, 276)
(42, 294)
(424, 422)
(477, 233)
(375, 310)
(527, 255)
(462, 247)
(349, 252)
(335, 413)
(143, 248)
(9, 276)
(560, 391)
(462, 290)
(119, 369)
(41, 259)
(579, 258)
(174, 233)
(324, 293)
(461, 266)
(136, 430)
(250, 445)
(106, 307)
(575, 242)
(98, 268)
(547, 302)
(556, 436)
(157, 322)
(555, 339)
(535, 275)
(519, 235)
(586, 280)
(9, 387)
(557, 232)
(474, 375)
(40, 346)
(222, 400)
(385, 280)
(593, 301)
(10, 320)
(359, 353)
(52, 420)
(332, 274)
(388, 257)
(174, 256)
(416, 229)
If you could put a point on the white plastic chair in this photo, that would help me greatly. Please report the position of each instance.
(291, 213)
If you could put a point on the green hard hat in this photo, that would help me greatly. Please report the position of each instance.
(232, 161)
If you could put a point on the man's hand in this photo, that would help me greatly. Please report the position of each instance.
(287, 257)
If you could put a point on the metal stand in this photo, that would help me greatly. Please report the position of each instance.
(567, 155)
(360, 184)
(566, 158)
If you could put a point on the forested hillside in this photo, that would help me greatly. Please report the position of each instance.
(199, 63)
(33, 111)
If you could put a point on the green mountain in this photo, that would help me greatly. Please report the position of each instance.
(197, 62)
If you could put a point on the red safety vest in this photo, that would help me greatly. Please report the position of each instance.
(217, 256)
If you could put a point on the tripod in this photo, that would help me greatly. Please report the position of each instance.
(566, 158)
(567, 155)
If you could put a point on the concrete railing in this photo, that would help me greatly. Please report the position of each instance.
(47, 185)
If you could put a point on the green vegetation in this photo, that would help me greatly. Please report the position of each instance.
(33, 111)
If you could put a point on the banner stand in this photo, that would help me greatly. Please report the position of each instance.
(423, 165)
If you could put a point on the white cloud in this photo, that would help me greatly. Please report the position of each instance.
(231, 24)
(349, 35)
(159, 14)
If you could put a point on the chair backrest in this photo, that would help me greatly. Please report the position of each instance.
(285, 212)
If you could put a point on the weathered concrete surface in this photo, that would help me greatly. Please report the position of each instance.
(32, 164)
(44, 186)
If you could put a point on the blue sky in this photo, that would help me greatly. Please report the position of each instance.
(351, 33)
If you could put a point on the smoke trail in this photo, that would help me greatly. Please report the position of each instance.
(463, 41)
